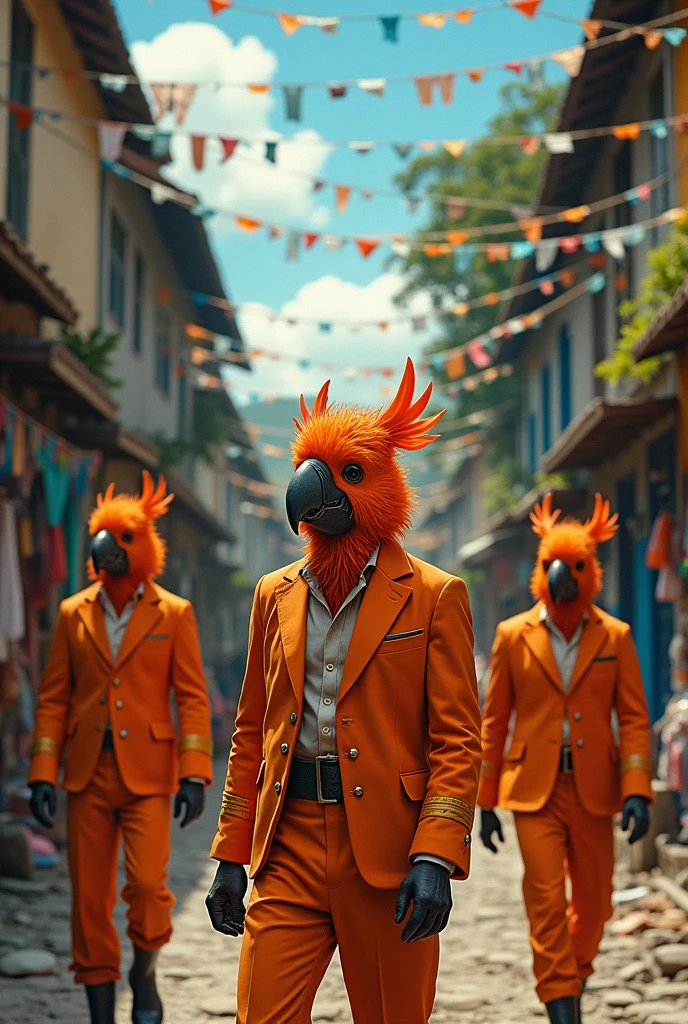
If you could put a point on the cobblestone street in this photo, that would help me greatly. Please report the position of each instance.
(485, 974)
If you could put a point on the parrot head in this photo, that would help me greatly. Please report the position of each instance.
(126, 548)
(567, 576)
(349, 493)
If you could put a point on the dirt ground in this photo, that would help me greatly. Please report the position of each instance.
(485, 971)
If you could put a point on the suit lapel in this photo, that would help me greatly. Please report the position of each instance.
(292, 610)
(91, 614)
(383, 599)
(142, 622)
(592, 639)
(538, 640)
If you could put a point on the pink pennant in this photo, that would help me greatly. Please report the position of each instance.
(228, 147)
(478, 355)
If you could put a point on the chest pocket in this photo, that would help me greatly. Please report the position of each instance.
(403, 641)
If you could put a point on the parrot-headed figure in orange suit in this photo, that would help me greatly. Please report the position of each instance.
(353, 772)
(566, 669)
(121, 649)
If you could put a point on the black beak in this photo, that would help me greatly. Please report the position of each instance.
(563, 587)
(314, 498)
(107, 556)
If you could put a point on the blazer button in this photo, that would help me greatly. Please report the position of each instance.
(353, 752)
(358, 791)
(284, 748)
(577, 717)
(579, 743)
(278, 787)
(119, 705)
(292, 717)
(103, 700)
(123, 734)
(115, 682)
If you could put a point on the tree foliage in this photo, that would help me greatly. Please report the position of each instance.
(95, 351)
(668, 266)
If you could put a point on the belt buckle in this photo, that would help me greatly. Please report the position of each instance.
(318, 779)
(567, 760)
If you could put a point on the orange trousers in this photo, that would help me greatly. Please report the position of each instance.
(96, 818)
(562, 840)
(310, 899)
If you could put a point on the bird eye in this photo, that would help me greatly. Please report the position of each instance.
(353, 474)
(580, 566)
(127, 538)
(545, 564)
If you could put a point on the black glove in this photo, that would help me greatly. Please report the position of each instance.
(191, 797)
(428, 885)
(490, 823)
(225, 901)
(636, 807)
(43, 803)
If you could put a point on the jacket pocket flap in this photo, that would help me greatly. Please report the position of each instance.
(163, 730)
(415, 783)
(261, 773)
(516, 751)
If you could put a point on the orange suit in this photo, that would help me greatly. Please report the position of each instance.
(407, 732)
(565, 817)
(126, 791)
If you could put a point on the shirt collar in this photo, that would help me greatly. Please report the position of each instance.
(110, 608)
(546, 618)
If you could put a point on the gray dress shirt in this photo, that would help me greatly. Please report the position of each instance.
(565, 654)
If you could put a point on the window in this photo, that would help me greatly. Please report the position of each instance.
(564, 377)
(137, 318)
(118, 254)
(659, 155)
(532, 442)
(18, 142)
(546, 388)
(163, 351)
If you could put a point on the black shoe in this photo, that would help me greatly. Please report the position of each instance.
(564, 1011)
(101, 1002)
(147, 1008)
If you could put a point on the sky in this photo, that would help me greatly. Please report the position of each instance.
(179, 40)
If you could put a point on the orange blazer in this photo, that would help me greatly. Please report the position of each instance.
(525, 680)
(407, 705)
(82, 689)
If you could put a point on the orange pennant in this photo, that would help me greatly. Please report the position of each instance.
(383, 325)
(342, 193)
(433, 20)
(290, 23)
(434, 249)
(627, 131)
(454, 147)
(532, 229)
(23, 116)
(247, 223)
(567, 278)
(260, 88)
(367, 245)
(219, 5)
(455, 366)
(530, 145)
(460, 309)
(427, 145)
(498, 251)
(576, 214)
(198, 333)
(592, 29)
(198, 151)
(653, 38)
(464, 17)
(491, 299)
(529, 8)
(457, 238)
(547, 287)
(476, 74)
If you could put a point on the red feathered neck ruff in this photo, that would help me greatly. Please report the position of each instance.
(338, 562)
(120, 590)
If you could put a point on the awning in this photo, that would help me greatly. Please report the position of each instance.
(57, 374)
(23, 279)
(602, 430)
(669, 328)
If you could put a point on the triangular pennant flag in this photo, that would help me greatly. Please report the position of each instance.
(271, 152)
(478, 355)
(457, 238)
(318, 185)
(370, 193)
(342, 193)
(653, 38)
(675, 36)
(373, 86)
(390, 28)
(424, 86)
(529, 8)
(592, 29)
(627, 131)
(461, 309)
(366, 246)
(576, 214)
(228, 147)
(402, 149)
(464, 17)
(327, 25)
(182, 95)
(259, 88)
(275, 232)
(115, 83)
(309, 239)
(558, 142)
(333, 242)
(162, 94)
(293, 95)
(337, 92)
(530, 145)
(23, 116)
(570, 243)
(476, 74)
(110, 138)
(454, 147)
(361, 147)
(455, 206)
(247, 224)
(433, 20)
(570, 59)
(293, 244)
(289, 23)
(219, 5)
(455, 366)
(567, 278)
(532, 229)
(514, 65)
(546, 287)
(428, 145)
(446, 84)
(198, 151)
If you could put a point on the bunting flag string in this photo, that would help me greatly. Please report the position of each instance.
(175, 97)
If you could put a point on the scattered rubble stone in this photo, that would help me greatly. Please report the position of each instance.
(25, 962)
(219, 1006)
(672, 958)
(620, 997)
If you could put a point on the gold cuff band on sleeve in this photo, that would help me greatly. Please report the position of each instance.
(199, 743)
(639, 761)
(489, 771)
(234, 806)
(448, 807)
(44, 745)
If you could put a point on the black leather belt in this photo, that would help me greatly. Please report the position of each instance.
(566, 761)
(318, 780)
(108, 742)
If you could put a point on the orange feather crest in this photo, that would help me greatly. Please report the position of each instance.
(600, 527)
(400, 420)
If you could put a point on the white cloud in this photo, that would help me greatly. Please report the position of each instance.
(327, 299)
(247, 183)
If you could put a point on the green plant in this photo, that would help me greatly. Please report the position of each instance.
(172, 450)
(95, 351)
(668, 265)
(553, 481)
(211, 429)
(504, 484)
